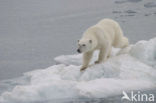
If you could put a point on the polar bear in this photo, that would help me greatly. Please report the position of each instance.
(102, 36)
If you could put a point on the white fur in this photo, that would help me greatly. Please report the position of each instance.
(102, 36)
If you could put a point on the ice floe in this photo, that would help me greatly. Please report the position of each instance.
(132, 68)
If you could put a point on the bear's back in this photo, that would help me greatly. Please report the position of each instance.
(107, 24)
(109, 27)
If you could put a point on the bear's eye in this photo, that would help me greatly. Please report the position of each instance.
(83, 45)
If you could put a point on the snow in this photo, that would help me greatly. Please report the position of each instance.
(132, 68)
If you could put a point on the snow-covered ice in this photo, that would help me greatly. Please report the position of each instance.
(132, 68)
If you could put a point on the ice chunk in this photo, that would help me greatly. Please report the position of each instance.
(132, 68)
(145, 51)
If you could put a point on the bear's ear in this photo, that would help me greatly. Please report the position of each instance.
(90, 41)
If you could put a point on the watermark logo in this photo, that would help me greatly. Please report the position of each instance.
(138, 96)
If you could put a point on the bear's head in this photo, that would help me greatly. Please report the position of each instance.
(84, 45)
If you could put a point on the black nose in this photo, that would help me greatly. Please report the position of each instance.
(78, 50)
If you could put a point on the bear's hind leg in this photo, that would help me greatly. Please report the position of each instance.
(120, 40)
(125, 42)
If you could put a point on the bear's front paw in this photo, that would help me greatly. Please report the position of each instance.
(97, 62)
(83, 68)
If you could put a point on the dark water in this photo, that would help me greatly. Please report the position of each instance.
(33, 32)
